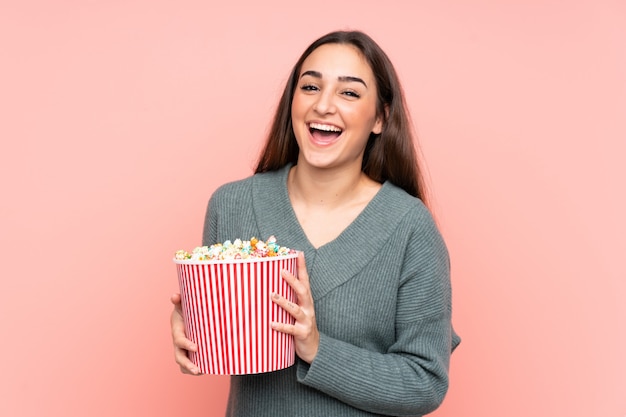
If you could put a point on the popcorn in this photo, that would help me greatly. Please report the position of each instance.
(238, 249)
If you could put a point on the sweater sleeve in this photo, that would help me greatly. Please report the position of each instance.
(411, 377)
(209, 232)
(229, 214)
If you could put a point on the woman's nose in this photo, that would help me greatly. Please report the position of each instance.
(325, 102)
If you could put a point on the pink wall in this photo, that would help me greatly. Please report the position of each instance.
(119, 118)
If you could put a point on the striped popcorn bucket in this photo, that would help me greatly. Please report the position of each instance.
(227, 311)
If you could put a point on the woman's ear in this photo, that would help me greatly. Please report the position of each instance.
(380, 121)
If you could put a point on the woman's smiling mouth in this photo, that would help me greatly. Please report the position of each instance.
(324, 134)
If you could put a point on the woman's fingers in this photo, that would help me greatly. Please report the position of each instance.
(290, 307)
(179, 338)
(186, 366)
(304, 329)
(300, 285)
(182, 345)
(303, 275)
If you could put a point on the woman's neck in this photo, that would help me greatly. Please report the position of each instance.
(329, 188)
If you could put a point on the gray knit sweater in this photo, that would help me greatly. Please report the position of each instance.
(382, 302)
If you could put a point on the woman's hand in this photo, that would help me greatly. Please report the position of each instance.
(304, 330)
(181, 343)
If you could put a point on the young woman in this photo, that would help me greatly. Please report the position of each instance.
(339, 180)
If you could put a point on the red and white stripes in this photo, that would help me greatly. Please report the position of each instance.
(227, 310)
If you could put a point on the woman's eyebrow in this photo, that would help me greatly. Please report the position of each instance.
(342, 78)
(350, 78)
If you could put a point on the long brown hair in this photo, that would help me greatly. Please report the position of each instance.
(390, 155)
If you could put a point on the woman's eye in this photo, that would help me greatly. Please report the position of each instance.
(351, 93)
(309, 87)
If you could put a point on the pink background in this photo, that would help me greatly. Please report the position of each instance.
(119, 118)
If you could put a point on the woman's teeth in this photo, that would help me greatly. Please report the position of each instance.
(324, 128)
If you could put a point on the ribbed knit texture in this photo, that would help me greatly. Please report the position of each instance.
(382, 302)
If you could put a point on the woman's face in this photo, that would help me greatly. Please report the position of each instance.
(333, 110)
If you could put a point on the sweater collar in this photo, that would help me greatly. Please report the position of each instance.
(337, 261)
